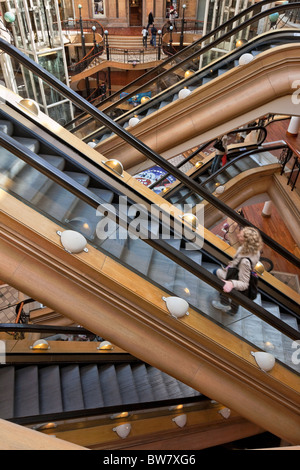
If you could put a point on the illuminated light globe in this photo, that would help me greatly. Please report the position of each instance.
(184, 93)
(274, 17)
(9, 17)
(241, 42)
(245, 59)
(145, 99)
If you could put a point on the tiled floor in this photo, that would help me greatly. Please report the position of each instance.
(9, 297)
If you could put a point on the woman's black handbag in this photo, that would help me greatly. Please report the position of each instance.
(219, 145)
(252, 291)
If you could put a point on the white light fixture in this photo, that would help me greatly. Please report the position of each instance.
(133, 121)
(177, 307)
(245, 59)
(184, 93)
(220, 189)
(30, 106)
(264, 360)
(180, 420)
(92, 144)
(40, 344)
(114, 165)
(73, 242)
(105, 345)
(225, 412)
(123, 430)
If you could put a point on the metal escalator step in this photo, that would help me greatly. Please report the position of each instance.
(84, 217)
(50, 390)
(114, 243)
(6, 127)
(186, 284)
(109, 385)
(142, 383)
(92, 394)
(172, 386)
(72, 397)
(245, 164)
(26, 397)
(126, 384)
(188, 391)
(162, 269)
(7, 392)
(31, 184)
(58, 202)
(137, 254)
(158, 386)
(10, 165)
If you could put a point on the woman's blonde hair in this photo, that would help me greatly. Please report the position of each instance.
(252, 240)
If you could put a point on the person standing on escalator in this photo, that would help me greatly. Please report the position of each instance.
(246, 257)
(220, 154)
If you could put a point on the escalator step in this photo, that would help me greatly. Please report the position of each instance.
(6, 127)
(114, 243)
(162, 268)
(10, 165)
(72, 397)
(109, 385)
(172, 386)
(142, 383)
(50, 390)
(58, 202)
(137, 254)
(84, 217)
(31, 184)
(158, 386)
(92, 393)
(7, 392)
(26, 397)
(126, 384)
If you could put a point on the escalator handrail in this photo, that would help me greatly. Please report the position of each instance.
(239, 157)
(230, 163)
(140, 146)
(186, 160)
(199, 41)
(84, 194)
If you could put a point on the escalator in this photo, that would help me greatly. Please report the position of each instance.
(116, 287)
(164, 93)
(177, 65)
(58, 389)
(213, 109)
(166, 87)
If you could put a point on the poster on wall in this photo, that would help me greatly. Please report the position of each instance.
(153, 174)
(98, 8)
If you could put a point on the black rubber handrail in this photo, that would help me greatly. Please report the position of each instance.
(198, 150)
(84, 194)
(134, 83)
(140, 146)
(228, 165)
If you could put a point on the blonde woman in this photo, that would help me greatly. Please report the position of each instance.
(250, 247)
